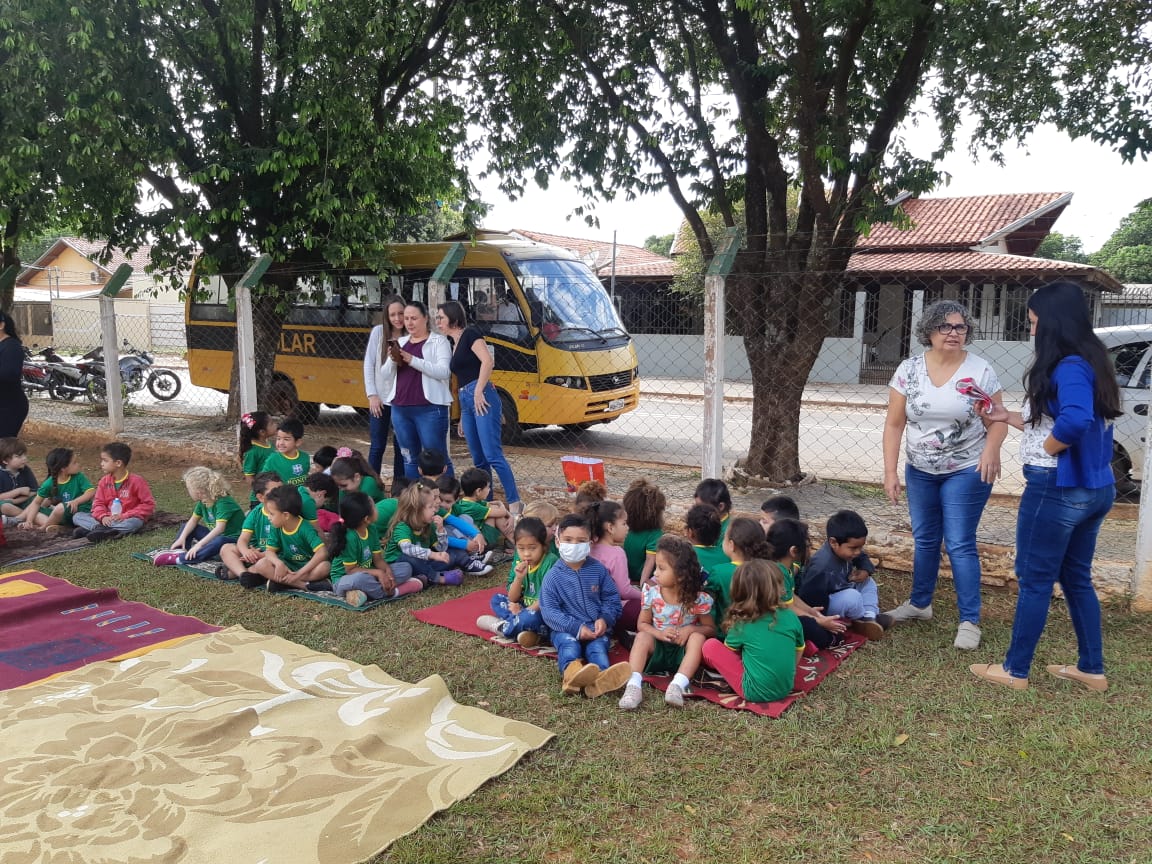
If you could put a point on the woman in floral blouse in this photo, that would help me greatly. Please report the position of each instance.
(952, 460)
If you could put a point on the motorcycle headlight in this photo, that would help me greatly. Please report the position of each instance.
(572, 382)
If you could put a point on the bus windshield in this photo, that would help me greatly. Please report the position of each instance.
(574, 305)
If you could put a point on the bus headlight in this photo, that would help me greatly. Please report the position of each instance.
(572, 382)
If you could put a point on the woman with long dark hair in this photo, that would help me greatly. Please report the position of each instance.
(390, 329)
(1071, 399)
(13, 399)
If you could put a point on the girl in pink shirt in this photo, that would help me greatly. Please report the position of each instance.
(609, 528)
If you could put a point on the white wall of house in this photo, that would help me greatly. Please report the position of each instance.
(146, 324)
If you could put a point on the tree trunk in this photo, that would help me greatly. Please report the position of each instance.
(11, 258)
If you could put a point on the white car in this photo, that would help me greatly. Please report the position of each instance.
(1130, 348)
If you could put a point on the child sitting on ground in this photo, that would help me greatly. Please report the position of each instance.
(580, 605)
(290, 463)
(249, 547)
(418, 542)
(321, 499)
(66, 492)
(702, 526)
(517, 612)
(838, 578)
(778, 507)
(17, 482)
(609, 525)
(352, 473)
(462, 532)
(359, 571)
(645, 504)
(257, 428)
(675, 621)
(715, 492)
(216, 519)
(589, 492)
(322, 460)
(294, 557)
(491, 517)
(758, 656)
(123, 501)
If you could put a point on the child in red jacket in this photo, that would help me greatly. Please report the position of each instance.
(123, 501)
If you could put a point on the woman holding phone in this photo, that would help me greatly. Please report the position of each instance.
(390, 329)
(414, 381)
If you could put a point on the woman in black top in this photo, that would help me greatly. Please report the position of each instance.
(13, 400)
(480, 407)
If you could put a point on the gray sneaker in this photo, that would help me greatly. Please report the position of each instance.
(674, 696)
(907, 612)
(491, 624)
(967, 636)
(632, 698)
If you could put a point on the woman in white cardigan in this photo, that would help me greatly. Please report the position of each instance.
(390, 328)
(414, 381)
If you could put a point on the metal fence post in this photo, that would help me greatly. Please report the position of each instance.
(712, 459)
(438, 284)
(1142, 575)
(245, 340)
(114, 393)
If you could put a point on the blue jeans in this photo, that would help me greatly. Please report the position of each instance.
(420, 427)
(360, 581)
(425, 570)
(863, 601)
(378, 429)
(1056, 532)
(518, 622)
(946, 507)
(482, 432)
(90, 523)
(209, 550)
(569, 648)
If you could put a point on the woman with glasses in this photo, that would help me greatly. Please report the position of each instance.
(952, 459)
(1071, 400)
(481, 416)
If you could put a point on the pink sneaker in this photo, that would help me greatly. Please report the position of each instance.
(167, 559)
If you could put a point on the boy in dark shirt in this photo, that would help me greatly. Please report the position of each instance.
(838, 578)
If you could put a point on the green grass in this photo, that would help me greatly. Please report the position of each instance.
(1054, 774)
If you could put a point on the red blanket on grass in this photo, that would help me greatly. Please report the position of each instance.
(461, 613)
(49, 626)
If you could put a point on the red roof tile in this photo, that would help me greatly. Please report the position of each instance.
(969, 264)
(958, 223)
(630, 260)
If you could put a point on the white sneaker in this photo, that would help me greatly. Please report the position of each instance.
(491, 624)
(674, 696)
(907, 612)
(967, 636)
(632, 698)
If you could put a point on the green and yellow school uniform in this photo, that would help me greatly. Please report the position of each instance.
(769, 648)
(710, 557)
(479, 511)
(307, 507)
(291, 468)
(257, 526)
(638, 545)
(222, 511)
(369, 487)
(255, 461)
(403, 531)
(534, 578)
(65, 493)
(297, 546)
(358, 551)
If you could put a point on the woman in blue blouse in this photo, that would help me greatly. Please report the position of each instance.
(1072, 398)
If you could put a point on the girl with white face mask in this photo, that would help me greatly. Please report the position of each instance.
(580, 604)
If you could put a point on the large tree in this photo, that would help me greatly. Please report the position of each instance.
(1127, 254)
(736, 103)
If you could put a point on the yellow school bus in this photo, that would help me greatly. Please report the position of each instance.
(562, 357)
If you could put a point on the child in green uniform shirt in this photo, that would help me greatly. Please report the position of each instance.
(417, 543)
(249, 548)
(290, 463)
(491, 517)
(715, 492)
(702, 527)
(294, 558)
(517, 611)
(66, 491)
(215, 521)
(256, 428)
(645, 505)
(359, 571)
(352, 473)
(759, 655)
(789, 544)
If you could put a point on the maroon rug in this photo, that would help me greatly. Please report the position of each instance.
(460, 614)
(49, 626)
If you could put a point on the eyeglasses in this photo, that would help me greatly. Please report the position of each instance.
(945, 329)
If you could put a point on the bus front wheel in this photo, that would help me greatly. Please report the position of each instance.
(283, 400)
(510, 430)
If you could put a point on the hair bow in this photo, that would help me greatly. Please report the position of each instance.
(344, 452)
(248, 421)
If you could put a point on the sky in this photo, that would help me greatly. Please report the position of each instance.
(1104, 188)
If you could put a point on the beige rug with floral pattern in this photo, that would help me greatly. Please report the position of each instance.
(236, 748)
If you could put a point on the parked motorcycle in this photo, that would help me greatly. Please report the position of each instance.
(34, 377)
(136, 373)
(66, 380)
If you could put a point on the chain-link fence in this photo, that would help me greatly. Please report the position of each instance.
(622, 377)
